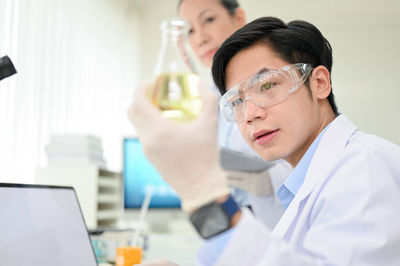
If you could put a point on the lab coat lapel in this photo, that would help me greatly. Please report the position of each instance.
(329, 149)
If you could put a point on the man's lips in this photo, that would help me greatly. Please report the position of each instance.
(265, 136)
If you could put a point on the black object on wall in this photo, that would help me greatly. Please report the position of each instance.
(7, 68)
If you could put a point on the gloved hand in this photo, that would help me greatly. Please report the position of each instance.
(186, 155)
(256, 183)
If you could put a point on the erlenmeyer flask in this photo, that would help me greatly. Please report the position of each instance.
(176, 90)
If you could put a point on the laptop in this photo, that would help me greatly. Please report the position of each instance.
(42, 225)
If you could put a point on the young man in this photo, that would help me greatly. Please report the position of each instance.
(342, 197)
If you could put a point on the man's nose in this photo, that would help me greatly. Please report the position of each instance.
(252, 110)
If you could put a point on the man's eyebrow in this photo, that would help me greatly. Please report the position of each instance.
(255, 77)
(263, 70)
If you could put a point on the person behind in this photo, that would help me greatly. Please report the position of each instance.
(342, 196)
(211, 23)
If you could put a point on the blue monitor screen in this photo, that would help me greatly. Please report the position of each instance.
(140, 176)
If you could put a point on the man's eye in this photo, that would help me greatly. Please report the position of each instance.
(235, 103)
(266, 86)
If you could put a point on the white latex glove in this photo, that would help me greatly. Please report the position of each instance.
(158, 262)
(186, 155)
(257, 183)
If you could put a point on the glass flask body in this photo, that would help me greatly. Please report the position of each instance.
(176, 89)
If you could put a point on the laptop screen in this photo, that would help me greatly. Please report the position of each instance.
(42, 225)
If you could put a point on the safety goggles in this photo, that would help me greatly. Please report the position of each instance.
(265, 89)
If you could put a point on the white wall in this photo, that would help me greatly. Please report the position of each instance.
(152, 13)
(77, 63)
(364, 34)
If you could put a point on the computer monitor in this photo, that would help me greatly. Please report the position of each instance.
(140, 176)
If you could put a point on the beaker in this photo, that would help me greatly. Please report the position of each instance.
(176, 89)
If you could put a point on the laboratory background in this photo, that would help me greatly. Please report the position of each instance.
(79, 62)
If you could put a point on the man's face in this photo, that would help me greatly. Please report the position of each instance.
(285, 130)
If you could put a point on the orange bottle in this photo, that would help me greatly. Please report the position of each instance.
(128, 256)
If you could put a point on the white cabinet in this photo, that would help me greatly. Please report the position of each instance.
(100, 192)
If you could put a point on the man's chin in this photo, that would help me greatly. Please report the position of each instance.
(269, 155)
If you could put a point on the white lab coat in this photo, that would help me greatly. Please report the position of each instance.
(345, 213)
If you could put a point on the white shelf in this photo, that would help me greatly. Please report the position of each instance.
(109, 198)
(107, 214)
(100, 192)
(105, 181)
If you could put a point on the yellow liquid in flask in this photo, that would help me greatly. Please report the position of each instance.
(177, 95)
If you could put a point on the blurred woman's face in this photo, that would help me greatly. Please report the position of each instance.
(210, 25)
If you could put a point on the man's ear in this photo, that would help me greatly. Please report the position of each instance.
(240, 17)
(320, 82)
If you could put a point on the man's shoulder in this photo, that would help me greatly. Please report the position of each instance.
(344, 139)
(357, 157)
(365, 160)
(372, 146)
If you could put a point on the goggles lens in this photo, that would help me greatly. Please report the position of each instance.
(265, 89)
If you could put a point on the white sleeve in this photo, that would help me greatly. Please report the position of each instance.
(254, 244)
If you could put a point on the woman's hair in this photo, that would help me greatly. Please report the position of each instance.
(295, 42)
(230, 5)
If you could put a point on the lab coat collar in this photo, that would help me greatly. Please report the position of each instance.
(331, 146)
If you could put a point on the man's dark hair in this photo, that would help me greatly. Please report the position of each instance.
(230, 5)
(295, 42)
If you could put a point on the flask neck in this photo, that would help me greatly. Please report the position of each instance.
(174, 27)
(174, 54)
(174, 31)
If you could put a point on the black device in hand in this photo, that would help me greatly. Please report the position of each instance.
(7, 68)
